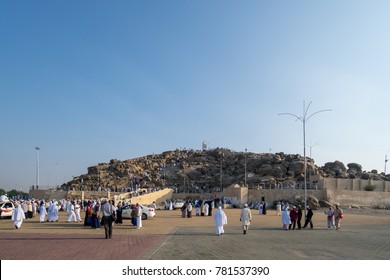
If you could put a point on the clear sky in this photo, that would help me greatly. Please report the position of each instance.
(89, 81)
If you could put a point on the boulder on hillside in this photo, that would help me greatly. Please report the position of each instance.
(336, 168)
(354, 168)
(313, 203)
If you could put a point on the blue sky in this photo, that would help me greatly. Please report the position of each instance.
(89, 81)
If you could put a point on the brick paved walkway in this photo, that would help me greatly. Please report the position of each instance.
(30, 246)
(169, 237)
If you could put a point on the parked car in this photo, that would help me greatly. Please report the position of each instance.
(178, 203)
(7, 208)
(147, 212)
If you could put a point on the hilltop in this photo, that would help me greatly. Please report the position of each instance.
(208, 170)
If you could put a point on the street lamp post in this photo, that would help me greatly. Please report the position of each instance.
(304, 118)
(37, 168)
(245, 169)
(311, 171)
(386, 160)
(221, 187)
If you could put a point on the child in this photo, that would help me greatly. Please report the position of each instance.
(330, 217)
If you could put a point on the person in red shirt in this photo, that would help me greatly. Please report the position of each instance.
(293, 218)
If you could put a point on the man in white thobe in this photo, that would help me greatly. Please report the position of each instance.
(286, 220)
(139, 215)
(245, 218)
(42, 212)
(206, 209)
(52, 215)
(72, 216)
(220, 220)
(18, 217)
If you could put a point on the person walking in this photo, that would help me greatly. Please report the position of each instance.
(286, 220)
(139, 215)
(184, 210)
(299, 211)
(206, 208)
(245, 218)
(133, 215)
(88, 214)
(29, 210)
(107, 211)
(72, 216)
(96, 215)
(330, 217)
(52, 212)
(42, 212)
(293, 218)
(220, 220)
(338, 215)
(18, 216)
(279, 209)
(309, 217)
(77, 209)
(189, 209)
(119, 214)
(197, 208)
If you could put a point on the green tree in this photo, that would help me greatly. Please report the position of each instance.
(14, 192)
(2, 192)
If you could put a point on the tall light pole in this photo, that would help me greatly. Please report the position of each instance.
(221, 188)
(386, 160)
(245, 180)
(304, 118)
(311, 171)
(245, 170)
(37, 174)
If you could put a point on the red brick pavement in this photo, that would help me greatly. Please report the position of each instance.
(33, 246)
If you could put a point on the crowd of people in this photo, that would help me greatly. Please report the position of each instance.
(97, 213)
(105, 213)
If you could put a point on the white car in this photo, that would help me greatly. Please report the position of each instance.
(178, 203)
(147, 212)
(7, 208)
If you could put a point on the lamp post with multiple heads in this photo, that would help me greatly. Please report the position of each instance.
(304, 118)
(37, 171)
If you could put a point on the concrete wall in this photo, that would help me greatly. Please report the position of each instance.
(158, 197)
(194, 196)
(360, 198)
(353, 184)
(244, 195)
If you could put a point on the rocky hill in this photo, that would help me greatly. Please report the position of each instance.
(209, 170)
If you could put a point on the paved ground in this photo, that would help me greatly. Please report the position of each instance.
(168, 237)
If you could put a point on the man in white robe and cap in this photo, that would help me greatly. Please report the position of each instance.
(206, 209)
(72, 216)
(139, 215)
(18, 217)
(245, 218)
(77, 209)
(220, 220)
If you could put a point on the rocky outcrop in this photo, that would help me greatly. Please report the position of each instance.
(208, 170)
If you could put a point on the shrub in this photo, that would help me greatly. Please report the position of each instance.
(369, 188)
